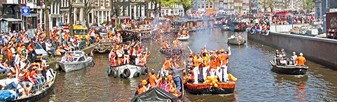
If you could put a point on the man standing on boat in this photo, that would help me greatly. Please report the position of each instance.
(224, 57)
(300, 60)
(176, 77)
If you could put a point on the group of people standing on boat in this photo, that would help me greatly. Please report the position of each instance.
(129, 53)
(282, 60)
(208, 63)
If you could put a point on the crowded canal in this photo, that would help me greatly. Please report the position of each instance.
(249, 63)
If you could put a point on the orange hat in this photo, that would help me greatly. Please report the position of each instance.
(169, 78)
(144, 82)
(34, 67)
(172, 90)
(9, 74)
(222, 50)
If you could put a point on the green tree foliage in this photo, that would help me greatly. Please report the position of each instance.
(187, 4)
(310, 4)
(169, 3)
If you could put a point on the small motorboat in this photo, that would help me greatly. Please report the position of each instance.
(127, 71)
(183, 37)
(170, 52)
(289, 69)
(212, 86)
(157, 94)
(225, 28)
(236, 40)
(38, 91)
(75, 60)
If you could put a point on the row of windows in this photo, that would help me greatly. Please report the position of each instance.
(175, 11)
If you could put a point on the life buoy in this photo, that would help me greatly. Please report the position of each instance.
(136, 74)
(126, 73)
(144, 71)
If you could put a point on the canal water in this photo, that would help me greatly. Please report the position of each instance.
(249, 63)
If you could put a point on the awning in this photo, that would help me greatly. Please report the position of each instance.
(12, 19)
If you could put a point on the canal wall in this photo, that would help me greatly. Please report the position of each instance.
(320, 50)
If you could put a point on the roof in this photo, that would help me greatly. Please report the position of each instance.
(12, 19)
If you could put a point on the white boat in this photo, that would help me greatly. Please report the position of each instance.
(127, 71)
(183, 37)
(77, 61)
(236, 40)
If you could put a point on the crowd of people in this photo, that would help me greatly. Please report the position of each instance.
(282, 60)
(128, 53)
(167, 79)
(208, 63)
(292, 20)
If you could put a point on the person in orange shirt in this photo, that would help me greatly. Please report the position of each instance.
(166, 66)
(165, 45)
(301, 60)
(205, 59)
(224, 63)
(142, 87)
(152, 79)
(213, 66)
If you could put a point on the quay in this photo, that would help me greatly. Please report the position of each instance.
(320, 50)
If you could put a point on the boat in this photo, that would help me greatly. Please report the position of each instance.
(208, 88)
(211, 86)
(238, 26)
(225, 28)
(127, 71)
(236, 40)
(78, 61)
(156, 95)
(170, 52)
(289, 69)
(183, 37)
(38, 91)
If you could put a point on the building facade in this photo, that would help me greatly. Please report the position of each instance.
(322, 7)
(99, 11)
(11, 15)
(174, 11)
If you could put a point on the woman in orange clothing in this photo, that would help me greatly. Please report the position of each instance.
(213, 66)
(153, 79)
(166, 66)
(142, 87)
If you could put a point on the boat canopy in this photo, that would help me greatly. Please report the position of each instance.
(156, 95)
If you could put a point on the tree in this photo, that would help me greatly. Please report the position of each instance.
(267, 4)
(115, 9)
(310, 5)
(168, 3)
(88, 6)
(187, 4)
(47, 4)
(71, 18)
